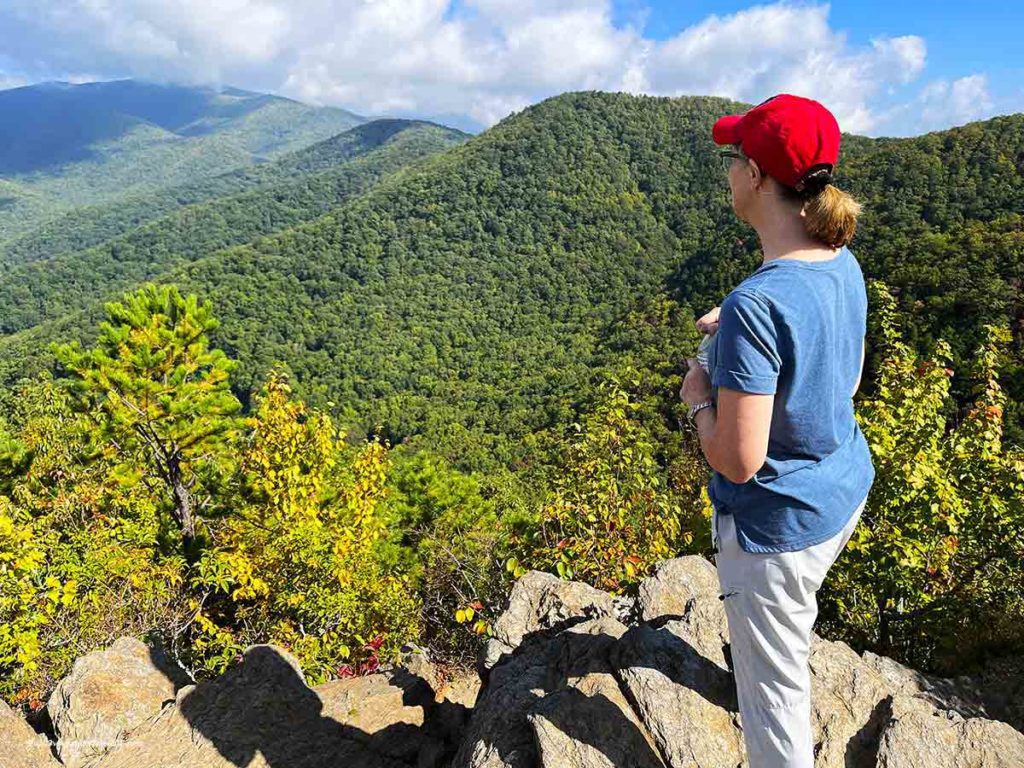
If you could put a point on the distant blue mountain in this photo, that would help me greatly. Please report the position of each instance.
(45, 126)
(63, 146)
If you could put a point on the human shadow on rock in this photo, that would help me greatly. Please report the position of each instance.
(263, 705)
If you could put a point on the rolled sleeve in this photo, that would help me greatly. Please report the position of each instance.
(747, 348)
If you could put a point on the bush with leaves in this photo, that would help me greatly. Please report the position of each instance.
(81, 555)
(611, 515)
(298, 561)
(932, 575)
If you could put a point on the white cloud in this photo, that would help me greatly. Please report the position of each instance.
(940, 104)
(960, 101)
(481, 58)
(191, 39)
(780, 48)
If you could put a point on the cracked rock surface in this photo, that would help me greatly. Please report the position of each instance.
(577, 683)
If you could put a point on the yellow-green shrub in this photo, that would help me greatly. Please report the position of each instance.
(296, 562)
(938, 553)
(610, 516)
(82, 539)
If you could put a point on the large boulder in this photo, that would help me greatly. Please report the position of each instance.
(581, 682)
(848, 699)
(916, 733)
(20, 746)
(557, 700)
(261, 714)
(107, 695)
(686, 700)
(541, 601)
(960, 695)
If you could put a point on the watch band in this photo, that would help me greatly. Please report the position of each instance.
(696, 407)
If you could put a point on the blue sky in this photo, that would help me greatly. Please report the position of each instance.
(884, 68)
(962, 38)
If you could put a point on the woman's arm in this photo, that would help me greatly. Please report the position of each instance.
(734, 434)
(747, 365)
(863, 352)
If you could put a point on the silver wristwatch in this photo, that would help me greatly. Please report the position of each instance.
(691, 412)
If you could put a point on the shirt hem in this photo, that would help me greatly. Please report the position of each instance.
(790, 546)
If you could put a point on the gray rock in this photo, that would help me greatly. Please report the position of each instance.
(462, 689)
(918, 734)
(687, 589)
(20, 746)
(660, 692)
(261, 714)
(573, 686)
(686, 700)
(556, 702)
(848, 700)
(673, 584)
(542, 601)
(416, 660)
(107, 695)
(945, 693)
(1001, 686)
(375, 708)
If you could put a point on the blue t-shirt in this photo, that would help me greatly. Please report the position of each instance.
(795, 329)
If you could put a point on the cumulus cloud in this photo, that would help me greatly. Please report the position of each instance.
(491, 58)
(959, 101)
(479, 58)
(765, 50)
(942, 103)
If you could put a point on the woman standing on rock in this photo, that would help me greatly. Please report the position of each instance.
(792, 468)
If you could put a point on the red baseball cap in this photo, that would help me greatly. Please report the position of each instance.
(794, 139)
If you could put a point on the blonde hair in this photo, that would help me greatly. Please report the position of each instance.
(830, 216)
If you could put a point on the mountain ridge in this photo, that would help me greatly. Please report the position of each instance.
(86, 143)
(478, 289)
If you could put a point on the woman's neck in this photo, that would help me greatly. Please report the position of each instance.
(785, 237)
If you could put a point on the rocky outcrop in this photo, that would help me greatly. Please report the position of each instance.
(20, 746)
(594, 691)
(572, 677)
(542, 601)
(262, 714)
(915, 734)
(108, 695)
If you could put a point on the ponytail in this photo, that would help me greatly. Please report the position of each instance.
(830, 216)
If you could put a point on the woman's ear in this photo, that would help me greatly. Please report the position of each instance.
(755, 175)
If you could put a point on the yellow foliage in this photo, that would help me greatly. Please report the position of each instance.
(946, 507)
(298, 559)
(610, 517)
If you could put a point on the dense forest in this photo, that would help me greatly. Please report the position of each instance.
(51, 275)
(63, 146)
(368, 386)
(541, 235)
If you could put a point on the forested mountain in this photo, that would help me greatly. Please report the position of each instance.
(404, 368)
(89, 225)
(476, 297)
(48, 276)
(64, 145)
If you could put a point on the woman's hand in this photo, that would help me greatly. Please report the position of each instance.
(708, 323)
(696, 386)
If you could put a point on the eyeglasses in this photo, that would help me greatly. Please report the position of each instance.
(728, 155)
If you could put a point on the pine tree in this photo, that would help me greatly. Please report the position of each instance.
(163, 395)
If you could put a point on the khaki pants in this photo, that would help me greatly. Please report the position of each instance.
(770, 604)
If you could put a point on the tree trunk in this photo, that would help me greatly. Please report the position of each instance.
(884, 631)
(182, 501)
